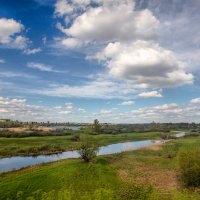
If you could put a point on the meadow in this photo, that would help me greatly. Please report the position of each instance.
(55, 144)
(146, 174)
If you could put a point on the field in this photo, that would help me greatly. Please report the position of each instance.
(53, 144)
(149, 173)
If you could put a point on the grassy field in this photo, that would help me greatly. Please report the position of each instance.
(146, 174)
(53, 144)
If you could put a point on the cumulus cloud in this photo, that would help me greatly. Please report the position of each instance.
(19, 109)
(109, 21)
(62, 7)
(131, 49)
(196, 100)
(10, 31)
(127, 103)
(16, 108)
(167, 113)
(150, 94)
(70, 42)
(160, 113)
(146, 63)
(115, 23)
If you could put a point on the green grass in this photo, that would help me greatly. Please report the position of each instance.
(52, 144)
(73, 175)
(143, 174)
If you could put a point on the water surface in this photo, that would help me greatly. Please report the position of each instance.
(74, 128)
(13, 163)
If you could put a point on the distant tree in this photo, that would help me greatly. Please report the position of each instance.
(88, 150)
(30, 126)
(97, 126)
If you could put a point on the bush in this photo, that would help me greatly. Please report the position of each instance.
(88, 151)
(189, 166)
(75, 138)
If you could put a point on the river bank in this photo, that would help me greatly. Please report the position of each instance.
(117, 176)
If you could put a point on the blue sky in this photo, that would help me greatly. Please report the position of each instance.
(121, 61)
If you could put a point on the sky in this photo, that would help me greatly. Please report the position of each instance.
(120, 61)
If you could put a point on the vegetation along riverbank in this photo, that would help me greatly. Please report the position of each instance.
(143, 174)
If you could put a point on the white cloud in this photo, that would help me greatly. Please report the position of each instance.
(127, 103)
(32, 51)
(145, 63)
(9, 34)
(69, 106)
(70, 42)
(62, 7)
(66, 112)
(81, 110)
(16, 108)
(105, 111)
(99, 88)
(8, 28)
(196, 100)
(11, 74)
(41, 67)
(131, 50)
(167, 113)
(19, 109)
(65, 7)
(110, 22)
(150, 94)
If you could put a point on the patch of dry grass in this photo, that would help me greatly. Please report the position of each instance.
(145, 173)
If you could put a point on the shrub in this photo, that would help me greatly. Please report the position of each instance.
(189, 166)
(88, 150)
(75, 138)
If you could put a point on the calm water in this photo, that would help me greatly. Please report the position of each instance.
(179, 134)
(8, 164)
(74, 128)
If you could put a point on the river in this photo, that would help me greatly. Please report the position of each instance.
(17, 162)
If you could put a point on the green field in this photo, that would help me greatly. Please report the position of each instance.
(52, 144)
(143, 174)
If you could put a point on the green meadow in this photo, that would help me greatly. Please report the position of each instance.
(146, 174)
(55, 144)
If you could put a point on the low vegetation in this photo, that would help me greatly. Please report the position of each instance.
(129, 175)
(22, 146)
(34, 133)
(88, 150)
(189, 166)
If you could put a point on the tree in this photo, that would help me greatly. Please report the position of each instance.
(97, 126)
(88, 150)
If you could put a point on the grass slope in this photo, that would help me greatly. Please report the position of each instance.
(144, 174)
